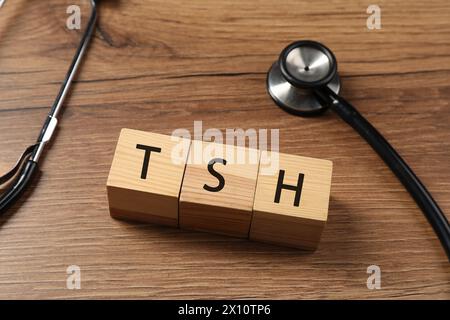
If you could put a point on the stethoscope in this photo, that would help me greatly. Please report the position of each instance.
(21, 174)
(304, 81)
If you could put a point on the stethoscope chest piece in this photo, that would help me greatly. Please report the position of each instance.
(301, 67)
(304, 81)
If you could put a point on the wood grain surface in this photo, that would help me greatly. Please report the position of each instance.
(160, 65)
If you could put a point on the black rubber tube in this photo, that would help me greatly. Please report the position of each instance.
(404, 173)
(15, 190)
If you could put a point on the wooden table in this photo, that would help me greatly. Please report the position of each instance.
(160, 65)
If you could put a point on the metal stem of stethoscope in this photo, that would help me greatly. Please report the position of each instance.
(20, 176)
(304, 81)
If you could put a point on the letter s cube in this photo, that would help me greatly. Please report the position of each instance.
(291, 202)
(218, 189)
(146, 175)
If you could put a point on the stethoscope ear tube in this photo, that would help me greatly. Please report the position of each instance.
(17, 187)
(19, 177)
(411, 182)
(11, 173)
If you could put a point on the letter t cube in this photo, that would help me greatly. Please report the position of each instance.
(145, 179)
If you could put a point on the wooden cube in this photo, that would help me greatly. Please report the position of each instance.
(218, 190)
(291, 204)
(146, 176)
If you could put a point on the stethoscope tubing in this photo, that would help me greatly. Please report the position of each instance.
(51, 121)
(395, 162)
(21, 175)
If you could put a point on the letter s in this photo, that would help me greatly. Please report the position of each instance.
(216, 174)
